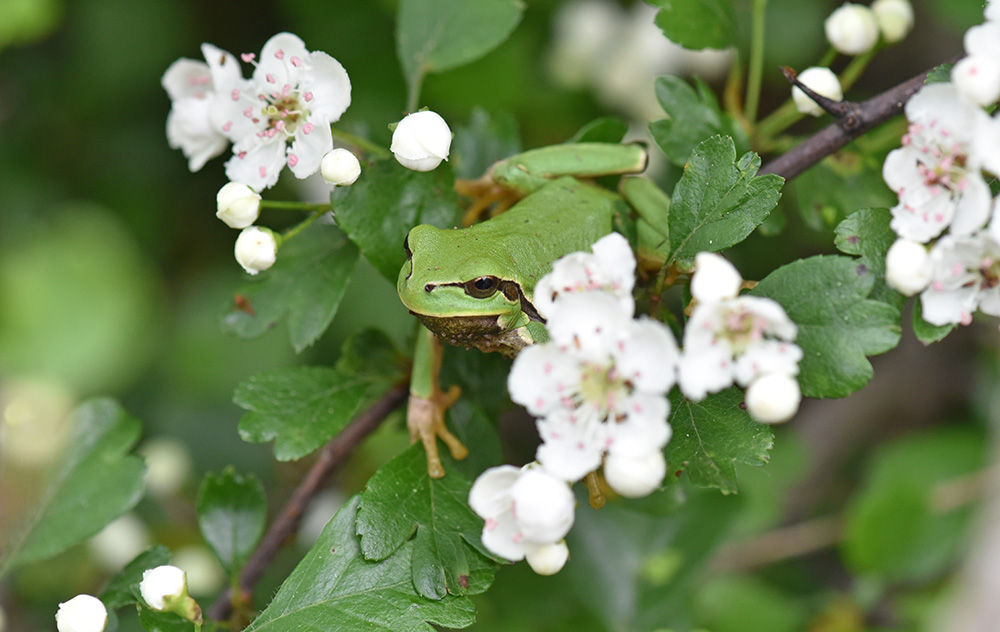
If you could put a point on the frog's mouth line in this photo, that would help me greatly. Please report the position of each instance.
(511, 290)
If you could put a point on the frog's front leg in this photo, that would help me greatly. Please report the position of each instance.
(428, 403)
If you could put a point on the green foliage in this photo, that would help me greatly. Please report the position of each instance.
(697, 24)
(123, 588)
(692, 117)
(711, 436)
(484, 140)
(307, 283)
(747, 604)
(156, 621)
(827, 193)
(718, 201)
(334, 584)
(827, 297)
(387, 201)
(232, 514)
(866, 234)
(97, 480)
(923, 330)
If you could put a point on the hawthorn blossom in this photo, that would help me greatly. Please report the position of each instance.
(977, 75)
(894, 17)
(237, 205)
(965, 276)
(421, 141)
(822, 81)
(852, 29)
(283, 113)
(936, 173)
(83, 613)
(256, 249)
(907, 267)
(192, 86)
(610, 267)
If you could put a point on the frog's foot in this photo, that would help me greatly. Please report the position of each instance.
(425, 419)
(488, 198)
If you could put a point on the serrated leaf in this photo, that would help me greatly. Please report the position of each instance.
(97, 481)
(718, 201)
(388, 200)
(711, 436)
(436, 35)
(866, 234)
(692, 117)
(335, 587)
(401, 501)
(486, 139)
(926, 332)
(697, 24)
(232, 514)
(299, 408)
(827, 297)
(123, 588)
(306, 283)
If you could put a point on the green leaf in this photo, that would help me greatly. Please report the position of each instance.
(123, 588)
(866, 233)
(307, 283)
(402, 500)
(370, 352)
(827, 297)
(692, 117)
(711, 436)
(697, 24)
(486, 139)
(387, 201)
(436, 35)
(232, 514)
(97, 481)
(336, 586)
(926, 332)
(156, 621)
(718, 201)
(828, 192)
(748, 604)
(300, 408)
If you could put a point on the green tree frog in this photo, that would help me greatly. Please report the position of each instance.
(474, 286)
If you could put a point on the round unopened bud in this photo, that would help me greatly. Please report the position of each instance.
(894, 18)
(543, 505)
(256, 249)
(238, 205)
(820, 80)
(340, 167)
(548, 559)
(773, 398)
(421, 141)
(907, 267)
(82, 613)
(852, 29)
(714, 278)
(162, 584)
(977, 77)
(992, 10)
(635, 477)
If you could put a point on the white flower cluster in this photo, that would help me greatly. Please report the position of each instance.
(947, 219)
(854, 29)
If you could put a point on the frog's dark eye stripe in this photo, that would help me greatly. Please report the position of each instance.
(482, 287)
(406, 247)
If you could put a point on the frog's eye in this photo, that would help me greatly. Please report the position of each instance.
(482, 287)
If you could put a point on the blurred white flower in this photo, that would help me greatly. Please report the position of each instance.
(907, 267)
(33, 420)
(548, 559)
(965, 276)
(421, 141)
(977, 75)
(168, 465)
(773, 398)
(821, 81)
(894, 17)
(205, 576)
(852, 29)
(83, 613)
(119, 542)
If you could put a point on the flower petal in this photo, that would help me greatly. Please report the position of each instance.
(490, 494)
(259, 166)
(327, 80)
(307, 150)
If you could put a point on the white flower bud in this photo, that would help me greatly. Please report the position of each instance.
(714, 278)
(977, 77)
(907, 267)
(256, 249)
(820, 80)
(238, 205)
(992, 10)
(773, 398)
(852, 29)
(635, 477)
(82, 613)
(340, 167)
(548, 559)
(543, 505)
(421, 141)
(894, 17)
(162, 584)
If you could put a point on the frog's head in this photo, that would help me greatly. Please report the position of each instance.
(462, 286)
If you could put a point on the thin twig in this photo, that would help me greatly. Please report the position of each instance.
(287, 522)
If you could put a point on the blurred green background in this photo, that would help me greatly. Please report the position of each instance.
(114, 273)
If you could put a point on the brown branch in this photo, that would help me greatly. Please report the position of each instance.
(287, 522)
(854, 120)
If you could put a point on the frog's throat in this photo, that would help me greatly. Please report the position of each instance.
(481, 332)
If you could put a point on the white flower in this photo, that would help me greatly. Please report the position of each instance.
(609, 267)
(525, 509)
(421, 141)
(894, 17)
(965, 275)
(977, 76)
(237, 205)
(773, 398)
(992, 10)
(340, 167)
(83, 613)
(161, 585)
(256, 249)
(283, 114)
(548, 559)
(635, 477)
(907, 267)
(715, 278)
(820, 80)
(191, 86)
(852, 29)
(936, 171)
(119, 542)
